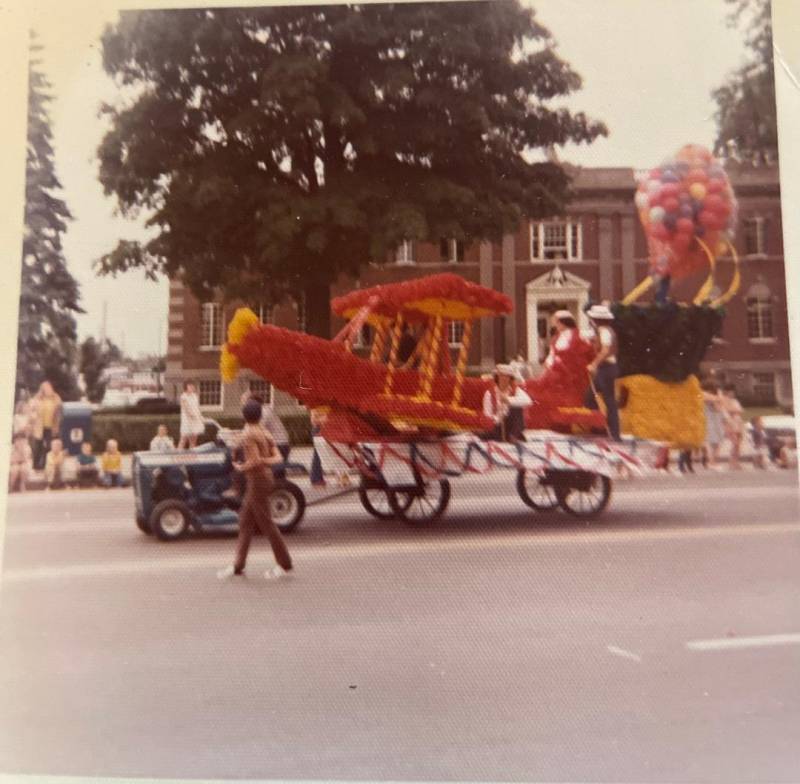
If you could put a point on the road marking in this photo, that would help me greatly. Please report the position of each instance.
(437, 542)
(731, 643)
(622, 653)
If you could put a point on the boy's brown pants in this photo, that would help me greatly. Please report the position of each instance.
(254, 514)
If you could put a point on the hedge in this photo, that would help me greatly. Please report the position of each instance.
(134, 432)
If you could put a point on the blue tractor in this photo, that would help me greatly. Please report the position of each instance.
(192, 489)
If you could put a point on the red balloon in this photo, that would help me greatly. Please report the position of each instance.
(697, 175)
(715, 185)
(655, 174)
(655, 199)
(671, 204)
(709, 220)
(670, 190)
(681, 242)
(659, 231)
(685, 226)
(713, 202)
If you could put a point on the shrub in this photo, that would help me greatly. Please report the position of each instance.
(134, 432)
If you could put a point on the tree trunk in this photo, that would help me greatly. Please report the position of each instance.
(318, 309)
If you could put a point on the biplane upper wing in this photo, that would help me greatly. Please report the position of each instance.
(447, 295)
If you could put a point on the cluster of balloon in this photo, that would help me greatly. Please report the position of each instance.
(686, 203)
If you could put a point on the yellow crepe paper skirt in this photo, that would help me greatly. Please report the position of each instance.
(669, 412)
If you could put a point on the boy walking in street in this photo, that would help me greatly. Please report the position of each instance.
(259, 453)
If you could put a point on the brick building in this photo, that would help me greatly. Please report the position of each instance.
(596, 251)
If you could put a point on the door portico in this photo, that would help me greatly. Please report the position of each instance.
(554, 290)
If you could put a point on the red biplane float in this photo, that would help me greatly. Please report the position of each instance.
(391, 395)
(405, 416)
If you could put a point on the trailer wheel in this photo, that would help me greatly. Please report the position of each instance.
(539, 496)
(587, 501)
(421, 504)
(287, 505)
(170, 520)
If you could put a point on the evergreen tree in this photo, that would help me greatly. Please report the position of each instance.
(49, 300)
(746, 112)
(276, 148)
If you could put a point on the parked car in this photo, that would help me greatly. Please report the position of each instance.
(779, 428)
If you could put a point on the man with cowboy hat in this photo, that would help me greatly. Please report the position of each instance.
(603, 368)
(503, 403)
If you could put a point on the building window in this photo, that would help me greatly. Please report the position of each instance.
(406, 252)
(556, 240)
(209, 392)
(764, 387)
(451, 251)
(265, 313)
(261, 388)
(754, 236)
(211, 325)
(759, 313)
(455, 333)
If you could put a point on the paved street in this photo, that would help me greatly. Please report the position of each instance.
(659, 643)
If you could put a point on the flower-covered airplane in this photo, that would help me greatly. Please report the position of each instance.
(408, 386)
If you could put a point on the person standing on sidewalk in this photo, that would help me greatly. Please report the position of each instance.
(260, 453)
(46, 422)
(192, 423)
(734, 425)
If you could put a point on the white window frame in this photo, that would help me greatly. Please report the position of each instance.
(270, 388)
(211, 314)
(760, 226)
(452, 250)
(211, 406)
(455, 333)
(761, 307)
(405, 253)
(537, 230)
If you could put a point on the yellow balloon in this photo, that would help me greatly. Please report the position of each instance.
(698, 191)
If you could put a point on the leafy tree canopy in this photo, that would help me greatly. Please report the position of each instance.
(50, 297)
(746, 113)
(276, 148)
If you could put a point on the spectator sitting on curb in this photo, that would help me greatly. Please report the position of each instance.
(54, 465)
(111, 464)
(21, 463)
(788, 455)
(88, 473)
(161, 441)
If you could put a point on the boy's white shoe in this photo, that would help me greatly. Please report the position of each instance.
(228, 572)
(275, 573)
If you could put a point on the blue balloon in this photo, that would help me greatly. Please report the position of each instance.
(669, 176)
(686, 211)
(670, 221)
(699, 231)
(682, 167)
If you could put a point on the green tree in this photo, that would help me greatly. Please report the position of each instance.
(746, 113)
(95, 357)
(276, 148)
(49, 299)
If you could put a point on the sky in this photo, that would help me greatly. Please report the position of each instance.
(648, 70)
